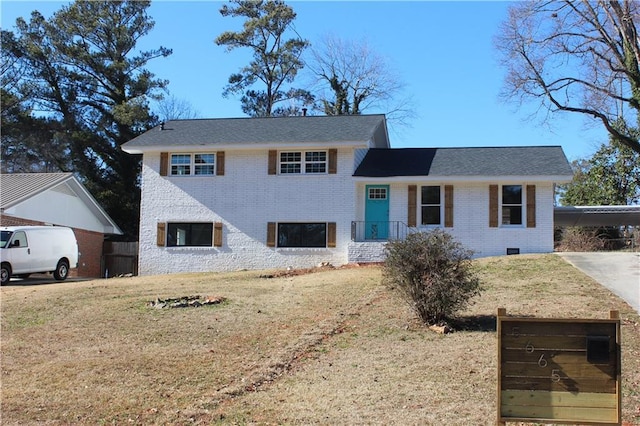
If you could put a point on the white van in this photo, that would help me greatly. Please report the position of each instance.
(28, 250)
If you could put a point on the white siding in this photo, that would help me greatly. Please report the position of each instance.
(63, 208)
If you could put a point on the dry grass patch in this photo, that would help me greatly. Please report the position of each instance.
(333, 347)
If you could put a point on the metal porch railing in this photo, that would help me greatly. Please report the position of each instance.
(378, 231)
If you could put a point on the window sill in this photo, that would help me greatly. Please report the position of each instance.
(299, 249)
(194, 248)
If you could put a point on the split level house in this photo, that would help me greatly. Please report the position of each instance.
(256, 193)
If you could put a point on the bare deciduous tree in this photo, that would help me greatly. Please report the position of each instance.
(576, 56)
(351, 78)
(172, 108)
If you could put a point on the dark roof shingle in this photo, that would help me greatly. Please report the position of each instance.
(492, 161)
(276, 130)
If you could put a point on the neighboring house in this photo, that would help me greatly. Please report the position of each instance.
(252, 193)
(58, 199)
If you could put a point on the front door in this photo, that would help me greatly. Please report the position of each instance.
(376, 213)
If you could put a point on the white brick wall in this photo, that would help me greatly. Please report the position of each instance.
(246, 198)
(471, 219)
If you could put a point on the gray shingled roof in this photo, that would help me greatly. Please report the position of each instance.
(15, 187)
(495, 161)
(277, 130)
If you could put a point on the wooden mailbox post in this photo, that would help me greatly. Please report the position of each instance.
(559, 370)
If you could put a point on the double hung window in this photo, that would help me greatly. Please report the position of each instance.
(193, 164)
(431, 205)
(512, 204)
(303, 162)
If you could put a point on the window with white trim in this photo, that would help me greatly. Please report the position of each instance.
(431, 205)
(303, 162)
(511, 205)
(377, 193)
(192, 164)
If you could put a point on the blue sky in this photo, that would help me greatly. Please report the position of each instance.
(442, 51)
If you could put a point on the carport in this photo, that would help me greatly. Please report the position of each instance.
(597, 216)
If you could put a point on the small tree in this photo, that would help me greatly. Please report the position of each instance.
(433, 273)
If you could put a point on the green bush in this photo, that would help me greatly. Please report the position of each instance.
(433, 273)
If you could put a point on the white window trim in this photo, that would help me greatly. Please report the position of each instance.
(523, 204)
(441, 204)
(192, 164)
(378, 188)
(303, 162)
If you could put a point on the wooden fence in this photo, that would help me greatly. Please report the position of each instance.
(119, 258)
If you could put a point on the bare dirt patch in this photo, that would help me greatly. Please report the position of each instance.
(330, 347)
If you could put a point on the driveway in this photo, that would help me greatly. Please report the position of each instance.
(40, 279)
(619, 272)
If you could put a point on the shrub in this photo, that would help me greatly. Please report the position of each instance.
(433, 273)
(581, 240)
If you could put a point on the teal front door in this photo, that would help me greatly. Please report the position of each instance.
(376, 212)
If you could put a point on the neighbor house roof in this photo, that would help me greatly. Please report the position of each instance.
(16, 188)
(249, 132)
(465, 162)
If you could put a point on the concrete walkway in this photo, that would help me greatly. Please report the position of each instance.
(617, 271)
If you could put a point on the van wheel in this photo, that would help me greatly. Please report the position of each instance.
(5, 273)
(62, 271)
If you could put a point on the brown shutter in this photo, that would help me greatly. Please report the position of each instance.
(161, 234)
(271, 234)
(448, 206)
(333, 161)
(220, 163)
(164, 163)
(412, 213)
(217, 234)
(493, 206)
(531, 206)
(331, 234)
(273, 162)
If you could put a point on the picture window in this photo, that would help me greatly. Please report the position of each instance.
(302, 235)
(190, 234)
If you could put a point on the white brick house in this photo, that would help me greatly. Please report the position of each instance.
(253, 193)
